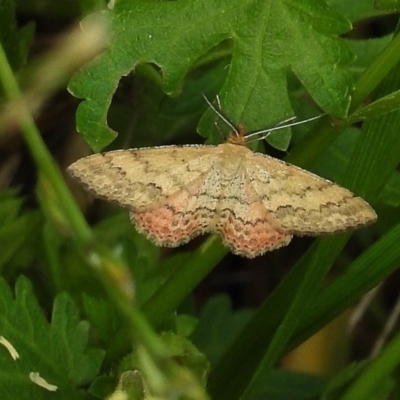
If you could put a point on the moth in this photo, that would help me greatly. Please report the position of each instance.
(255, 202)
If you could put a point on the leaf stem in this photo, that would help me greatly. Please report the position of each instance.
(375, 72)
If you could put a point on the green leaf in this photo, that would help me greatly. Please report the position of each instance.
(18, 233)
(209, 83)
(284, 385)
(185, 353)
(191, 367)
(384, 105)
(333, 164)
(181, 282)
(375, 382)
(388, 5)
(267, 38)
(376, 72)
(103, 317)
(339, 383)
(357, 10)
(56, 350)
(218, 326)
(130, 387)
(88, 6)
(367, 50)
(16, 41)
(391, 192)
(141, 255)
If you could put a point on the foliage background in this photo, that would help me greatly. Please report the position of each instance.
(76, 299)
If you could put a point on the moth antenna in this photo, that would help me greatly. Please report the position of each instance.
(286, 120)
(279, 126)
(220, 115)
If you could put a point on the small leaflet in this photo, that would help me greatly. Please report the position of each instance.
(11, 349)
(38, 380)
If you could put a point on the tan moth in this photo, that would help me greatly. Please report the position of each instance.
(256, 203)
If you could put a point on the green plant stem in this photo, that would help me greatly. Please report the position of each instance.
(46, 165)
(308, 286)
(173, 377)
(124, 301)
(362, 275)
(374, 74)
